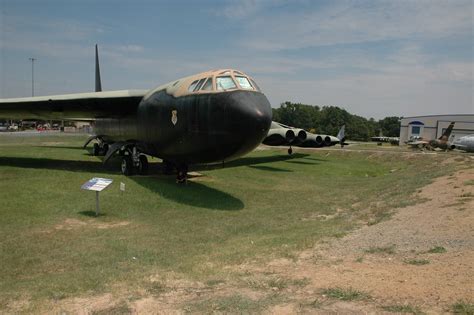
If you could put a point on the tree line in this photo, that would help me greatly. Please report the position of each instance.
(328, 120)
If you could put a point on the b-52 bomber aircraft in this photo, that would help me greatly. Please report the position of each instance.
(209, 117)
(440, 143)
(281, 135)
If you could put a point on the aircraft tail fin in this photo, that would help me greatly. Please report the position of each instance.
(341, 134)
(98, 84)
(447, 132)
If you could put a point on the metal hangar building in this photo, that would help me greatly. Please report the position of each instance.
(432, 126)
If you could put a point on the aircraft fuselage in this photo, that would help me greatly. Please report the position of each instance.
(198, 128)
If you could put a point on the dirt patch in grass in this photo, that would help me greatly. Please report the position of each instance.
(72, 224)
(414, 231)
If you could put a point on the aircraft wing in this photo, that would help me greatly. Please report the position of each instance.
(82, 106)
(416, 143)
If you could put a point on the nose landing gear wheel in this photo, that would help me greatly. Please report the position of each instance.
(182, 176)
(95, 149)
(127, 165)
(105, 148)
(290, 151)
(143, 165)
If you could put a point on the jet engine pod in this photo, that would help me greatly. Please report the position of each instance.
(300, 136)
(289, 135)
(327, 141)
(312, 141)
(279, 136)
(319, 140)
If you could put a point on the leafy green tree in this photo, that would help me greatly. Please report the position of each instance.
(390, 126)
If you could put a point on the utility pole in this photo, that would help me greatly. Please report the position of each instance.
(32, 76)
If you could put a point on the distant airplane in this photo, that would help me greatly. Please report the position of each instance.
(280, 134)
(208, 117)
(440, 143)
(465, 143)
(381, 138)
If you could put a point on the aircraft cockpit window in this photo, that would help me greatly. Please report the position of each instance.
(244, 82)
(198, 86)
(255, 85)
(225, 83)
(207, 86)
(192, 86)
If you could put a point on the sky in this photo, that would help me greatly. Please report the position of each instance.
(372, 58)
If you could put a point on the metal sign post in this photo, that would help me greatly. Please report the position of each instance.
(97, 209)
(97, 184)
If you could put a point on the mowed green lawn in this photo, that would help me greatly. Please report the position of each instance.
(262, 206)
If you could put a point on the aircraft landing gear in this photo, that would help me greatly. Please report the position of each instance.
(169, 167)
(182, 177)
(127, 165)
(100, 148)
(133, 162)
(290, 151)
(143, 165)
(95, 149)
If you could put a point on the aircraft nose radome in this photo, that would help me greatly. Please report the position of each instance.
(248, 119)
(251, 113)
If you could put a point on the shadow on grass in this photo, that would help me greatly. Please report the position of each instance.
(55, 164)
(91, 214)
(193, 194)
(269, 168)
(303, 162)
(79, 147)
(251, 161)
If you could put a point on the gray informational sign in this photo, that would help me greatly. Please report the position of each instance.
(97, 184)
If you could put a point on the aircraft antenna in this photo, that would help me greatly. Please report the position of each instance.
(98, 84)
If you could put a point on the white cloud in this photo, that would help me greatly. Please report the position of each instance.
(358, 22)
(240, 9)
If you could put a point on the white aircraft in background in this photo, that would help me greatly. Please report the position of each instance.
(280, 134)
(465, 143)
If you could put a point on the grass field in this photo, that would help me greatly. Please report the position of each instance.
(262, 206)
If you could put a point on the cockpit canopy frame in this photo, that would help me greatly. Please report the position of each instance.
(222, 81)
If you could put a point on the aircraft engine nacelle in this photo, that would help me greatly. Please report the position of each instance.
(327, 141)
(279, 136)
(301, 136)
(334, 140)
(312, 141)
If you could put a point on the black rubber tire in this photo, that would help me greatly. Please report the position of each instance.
(105, 148)
(95, 149)
(143, 166)
(290, 151)
(127, 165)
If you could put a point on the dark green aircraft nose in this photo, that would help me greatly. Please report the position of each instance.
(245, 120)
